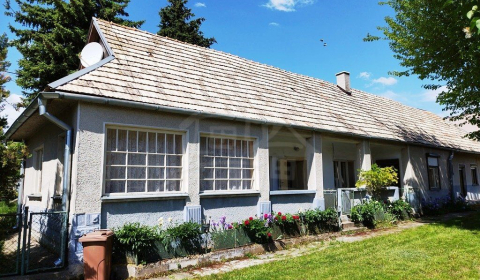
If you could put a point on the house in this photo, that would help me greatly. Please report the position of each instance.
(161, 128)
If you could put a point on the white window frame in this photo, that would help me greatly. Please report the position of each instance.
(251, 157)
(157, 131)
(38, 168)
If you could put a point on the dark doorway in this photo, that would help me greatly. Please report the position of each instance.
(461, 174)
(396, 164)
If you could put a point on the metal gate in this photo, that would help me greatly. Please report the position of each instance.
(32, 242)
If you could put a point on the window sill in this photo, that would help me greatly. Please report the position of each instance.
(286, 192)
(229, 193)
(144, 197)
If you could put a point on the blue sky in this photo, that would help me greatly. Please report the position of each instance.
(287, 33)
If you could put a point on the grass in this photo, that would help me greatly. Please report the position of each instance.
(8, 208)
(444, 250)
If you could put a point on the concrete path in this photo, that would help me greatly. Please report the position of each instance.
(288, 254)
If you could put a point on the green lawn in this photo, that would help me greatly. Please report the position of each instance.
(446, 250)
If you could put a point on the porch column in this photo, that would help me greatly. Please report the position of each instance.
(315, 169)
(263, 167)
(364, 155)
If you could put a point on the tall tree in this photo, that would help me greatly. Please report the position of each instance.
(431, 40)
(53, 34)
(174, 23)
(11, 154)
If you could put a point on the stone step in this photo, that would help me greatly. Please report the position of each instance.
(348, 225)
(345, 218)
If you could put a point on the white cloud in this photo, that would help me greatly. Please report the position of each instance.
(365, 75)
(391, 95)
(200, 5)
(274, 24)
(9, 109)
(431, 95)
(385, 81)
(286, 5)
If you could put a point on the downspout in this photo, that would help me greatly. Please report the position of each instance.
(42, 111)
(450, 175)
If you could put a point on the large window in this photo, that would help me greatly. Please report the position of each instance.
(344, 174)
(433, 172)
(140, 161)
(226, 164)
(473, 170)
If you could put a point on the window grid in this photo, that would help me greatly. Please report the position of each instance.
(473, 170)
(152, 162)
(433, 170)
(232, 157)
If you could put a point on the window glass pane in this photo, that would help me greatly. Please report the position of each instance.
(132, 141)
(235, 173)
(207, 161)
(156, 160)
(160, 143)
(203, 146)
(206, 185)
(432, 161)
(247, 174)
(178, 145)
(207, 173)
(173, 185)
(116, 158)
(122, 140)
(218, 147)
(224, 147)
(174, 160)
(170, 144)
(115, 172)
(235, 185)
(136, 159)
(221, 173)
(142, 141)
(174, 173)
(211, 146)
(156, 186)
(247, 163)
(244, 149)
(221, 162)
(250, 149)
(221, 185)
(152, 142)
(235, 162)
(115, 186)
(155, 173)
(111, 139)
(238, 148)
(231, 148)
(136, 173)
(247, 184)
(135, 186)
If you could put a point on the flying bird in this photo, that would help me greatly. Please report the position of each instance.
(324, 44)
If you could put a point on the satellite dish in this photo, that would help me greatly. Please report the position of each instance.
(91, 54)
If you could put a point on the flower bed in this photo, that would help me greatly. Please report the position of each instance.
(135, 243)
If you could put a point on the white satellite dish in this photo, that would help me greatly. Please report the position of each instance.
(92, 53)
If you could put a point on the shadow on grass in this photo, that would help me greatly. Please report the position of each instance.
(469, 220)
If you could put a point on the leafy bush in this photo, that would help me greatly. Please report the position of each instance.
(368, 213)
(258, 230)
(136, 240)
(438, 206)
(377, 178)
(401, 209)
(7, 207)
(185, 235)
(326, 220)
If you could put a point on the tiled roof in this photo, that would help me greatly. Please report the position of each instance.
(157, 70)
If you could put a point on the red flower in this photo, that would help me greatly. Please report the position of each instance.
(269, 234)
(246, 223)
(251, 218)
(284, 218)
(265, 216)
(295, 217)
(276, 218)
(230, 226)
(279, 213)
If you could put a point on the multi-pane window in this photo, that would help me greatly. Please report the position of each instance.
(473, 170)
(433, 172)
(142, 161)
(226, 164)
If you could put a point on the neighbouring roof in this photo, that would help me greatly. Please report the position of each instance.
(157, 70)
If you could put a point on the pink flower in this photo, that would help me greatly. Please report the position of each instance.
(265, 216)
(279, 213)
(251, 218)
(246, 222)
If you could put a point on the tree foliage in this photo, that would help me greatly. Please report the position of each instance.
(174, 23)
(377, 178)
(433, 39)
(11, 153)
(53, 34)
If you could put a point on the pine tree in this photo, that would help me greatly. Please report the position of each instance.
(53, 34)
(11, 154)
(174, 23)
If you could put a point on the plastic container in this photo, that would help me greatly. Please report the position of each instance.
(97, 254)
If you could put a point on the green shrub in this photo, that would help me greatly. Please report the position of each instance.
(368, 213)
(258, 230)
(136, 240)
(401, 209)
(7, 207)
(377, 178)
(186, 236)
